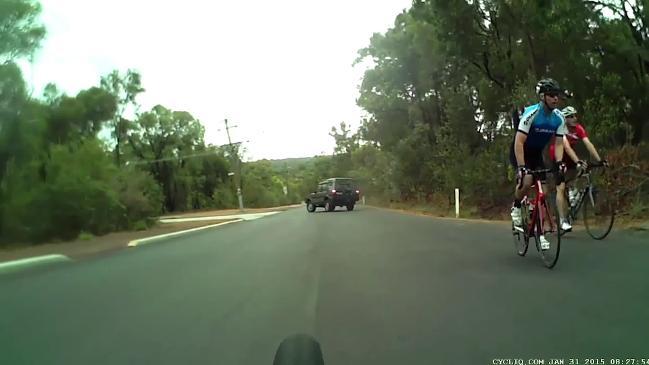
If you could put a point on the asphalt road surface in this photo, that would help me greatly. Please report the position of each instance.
(373, 286)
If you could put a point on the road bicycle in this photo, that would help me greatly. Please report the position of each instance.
(598, 210)
(540, 221)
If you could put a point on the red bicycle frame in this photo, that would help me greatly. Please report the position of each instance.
(536, 226)
(538, 203)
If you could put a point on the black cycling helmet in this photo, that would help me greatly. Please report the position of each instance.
(548, 86)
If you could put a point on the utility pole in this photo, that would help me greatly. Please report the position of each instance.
(286, 179)
(238, 165)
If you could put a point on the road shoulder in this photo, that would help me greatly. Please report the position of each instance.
(80, 249)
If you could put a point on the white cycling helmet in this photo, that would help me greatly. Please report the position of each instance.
(568, 111)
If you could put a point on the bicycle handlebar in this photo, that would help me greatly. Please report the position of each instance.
(540, 171)
(536, 174)
(592, 166)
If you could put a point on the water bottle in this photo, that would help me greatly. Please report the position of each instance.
(572, 196)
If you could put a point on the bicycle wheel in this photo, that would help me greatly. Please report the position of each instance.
(521, 239)
(599, 213)
(547, 224)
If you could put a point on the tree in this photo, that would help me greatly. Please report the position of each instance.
(623, 47)
(20, 30)
(125, 89)
(13, 98)
(345, 142)
(162, 139)
(75, 197)
(263, 188)
(58, 179)
(445, 79)
(75, 118)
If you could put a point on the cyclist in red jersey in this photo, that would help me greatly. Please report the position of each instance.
(576, 133)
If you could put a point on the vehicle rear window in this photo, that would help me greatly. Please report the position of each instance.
(349, 184)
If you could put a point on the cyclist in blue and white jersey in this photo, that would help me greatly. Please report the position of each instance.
(538, 124)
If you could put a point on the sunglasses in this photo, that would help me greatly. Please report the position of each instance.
(552, 94)
(571, 117)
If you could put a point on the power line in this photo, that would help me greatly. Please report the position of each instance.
(144, 162)
(184, 157)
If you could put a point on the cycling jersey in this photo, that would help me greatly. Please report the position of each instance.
(574, 135)
(540, 127)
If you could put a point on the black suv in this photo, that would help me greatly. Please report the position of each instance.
(332, 193)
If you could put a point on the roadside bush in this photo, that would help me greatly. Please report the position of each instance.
(224, 197)
(60, 198)
(85, 236)
(140, 225)
(139, 194)
(628, 179)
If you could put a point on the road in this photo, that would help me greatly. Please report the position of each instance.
(373, 286)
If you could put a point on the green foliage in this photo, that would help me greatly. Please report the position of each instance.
(16, 141)
(261, 188)
(169, 144)
(439, 95)
(58, 180)
(628, 179)
(289, 163)
(446, 77)
(140, 226)
(75, 196)
(604, 116)
(224, 197)
(20, 31)
(73, 119)
(139, 195)
(85, 236)
(124, 89)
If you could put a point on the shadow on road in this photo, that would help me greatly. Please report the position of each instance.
(335, 211)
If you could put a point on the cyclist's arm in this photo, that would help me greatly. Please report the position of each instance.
(591, 149)
(519, 151)
(558, 149)
(521, 136)
(560, 134)
(568, 149)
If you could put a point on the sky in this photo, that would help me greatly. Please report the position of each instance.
(281, 71)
